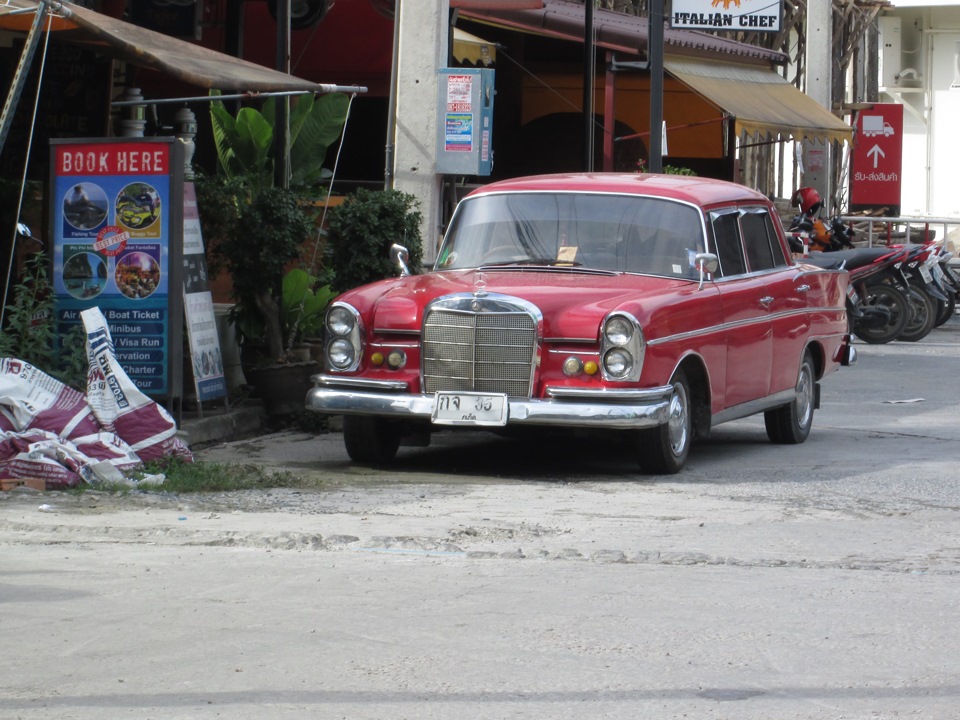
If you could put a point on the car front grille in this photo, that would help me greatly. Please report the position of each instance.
(481, 345)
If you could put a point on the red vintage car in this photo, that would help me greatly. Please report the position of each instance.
(652, 305)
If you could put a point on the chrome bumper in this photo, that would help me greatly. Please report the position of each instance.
(567, 407)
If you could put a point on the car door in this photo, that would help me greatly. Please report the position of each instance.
(788, 292)
(745, 299)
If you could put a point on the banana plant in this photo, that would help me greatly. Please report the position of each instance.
(245, 143)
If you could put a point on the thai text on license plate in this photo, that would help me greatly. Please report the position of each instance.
(469, 408)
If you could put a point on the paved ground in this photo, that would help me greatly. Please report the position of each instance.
(487, 579)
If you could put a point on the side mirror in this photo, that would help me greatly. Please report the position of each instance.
(707, 264)
(399, 255)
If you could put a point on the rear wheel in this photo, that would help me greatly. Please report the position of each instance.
(790, 424)
(370, 440)
(882, 295)
(664, 449)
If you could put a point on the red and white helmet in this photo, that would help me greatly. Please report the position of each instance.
(808, 200)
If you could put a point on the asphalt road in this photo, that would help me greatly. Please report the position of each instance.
(484, 578)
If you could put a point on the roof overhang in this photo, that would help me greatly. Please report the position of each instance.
(192, 64)
(759, 100)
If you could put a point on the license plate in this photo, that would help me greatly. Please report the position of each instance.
(925, 274)
(469, 408)
(852, 294)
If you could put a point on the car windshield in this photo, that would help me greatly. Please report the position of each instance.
(621, 233)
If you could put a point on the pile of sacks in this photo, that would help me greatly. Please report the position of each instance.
(57, 437)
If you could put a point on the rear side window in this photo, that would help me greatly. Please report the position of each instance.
(760, 241)
(726, 237)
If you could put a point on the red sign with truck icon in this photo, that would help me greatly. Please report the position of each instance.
(877, 160)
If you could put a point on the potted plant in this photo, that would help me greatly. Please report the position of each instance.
(304, 304)
(257, 229)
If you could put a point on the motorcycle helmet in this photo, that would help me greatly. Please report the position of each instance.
(808, 200)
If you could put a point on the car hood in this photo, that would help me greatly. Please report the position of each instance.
(572, 302)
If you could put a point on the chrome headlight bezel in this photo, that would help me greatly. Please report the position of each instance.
(344, 337)
(622, 347)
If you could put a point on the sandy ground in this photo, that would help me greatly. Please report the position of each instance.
(487, 579)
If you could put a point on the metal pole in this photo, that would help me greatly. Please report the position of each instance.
(392, 102)
(589, 69)
(20, 76)
(281, 129)
(655, 53)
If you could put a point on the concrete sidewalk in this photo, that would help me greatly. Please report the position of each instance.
(220, 424)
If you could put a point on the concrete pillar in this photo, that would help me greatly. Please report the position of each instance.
(423, 47)
(819, 60)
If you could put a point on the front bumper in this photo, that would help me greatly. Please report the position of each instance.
(565, 406)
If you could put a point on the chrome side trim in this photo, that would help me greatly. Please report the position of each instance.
(724, 327)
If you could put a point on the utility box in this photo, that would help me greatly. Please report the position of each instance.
(465, 122)
(890, 50)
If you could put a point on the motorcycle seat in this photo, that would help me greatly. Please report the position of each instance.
(849, 259)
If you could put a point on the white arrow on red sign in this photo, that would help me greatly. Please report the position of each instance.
(877, 154)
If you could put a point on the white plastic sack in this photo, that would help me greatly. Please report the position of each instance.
(119, 406)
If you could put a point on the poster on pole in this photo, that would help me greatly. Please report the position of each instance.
(116, 209)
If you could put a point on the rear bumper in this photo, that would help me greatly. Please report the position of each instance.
(564, 407)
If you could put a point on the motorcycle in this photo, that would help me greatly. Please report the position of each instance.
(878, 309)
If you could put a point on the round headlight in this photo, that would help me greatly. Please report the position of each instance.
(618, 330)
(340, 321)
(617, 362)
(340, 353)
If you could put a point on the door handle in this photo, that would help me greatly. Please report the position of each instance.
(766, 300)
(803, 288)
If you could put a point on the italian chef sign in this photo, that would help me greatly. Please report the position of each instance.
(737, 15)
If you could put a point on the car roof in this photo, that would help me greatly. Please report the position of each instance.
(688, 188)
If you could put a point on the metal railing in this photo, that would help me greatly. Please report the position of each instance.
(895, 230)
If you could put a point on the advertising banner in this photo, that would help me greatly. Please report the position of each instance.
(116, 209)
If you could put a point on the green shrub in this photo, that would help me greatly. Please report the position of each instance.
(361, 231)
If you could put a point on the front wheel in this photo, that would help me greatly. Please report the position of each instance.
(790, 424)
(370, 440)
(664, 449)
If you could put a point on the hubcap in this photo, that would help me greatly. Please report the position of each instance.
(804, 399)
(677, 423)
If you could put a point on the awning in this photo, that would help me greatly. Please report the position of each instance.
(185, 61)
(470, 48)
(760, 101)
(617, 31)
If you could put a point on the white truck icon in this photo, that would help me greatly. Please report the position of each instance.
(874, 125)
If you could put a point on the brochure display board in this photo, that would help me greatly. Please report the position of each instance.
(117, 223)
(207, 362)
